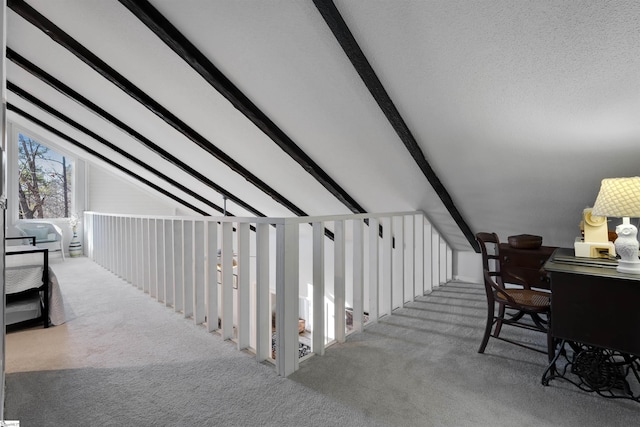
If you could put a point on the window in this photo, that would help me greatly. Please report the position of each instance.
(44, 181)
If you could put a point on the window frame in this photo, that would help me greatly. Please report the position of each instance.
(77, 174)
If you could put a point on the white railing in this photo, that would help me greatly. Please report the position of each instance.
(240, 271)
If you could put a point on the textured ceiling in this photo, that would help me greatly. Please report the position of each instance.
(521, 108)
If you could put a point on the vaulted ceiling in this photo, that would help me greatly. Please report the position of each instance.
(488, 115)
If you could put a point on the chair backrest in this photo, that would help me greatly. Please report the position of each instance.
(489, 246)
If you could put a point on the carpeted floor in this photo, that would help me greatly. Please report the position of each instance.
(125, 360)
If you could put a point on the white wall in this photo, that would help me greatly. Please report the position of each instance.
(467, 266)
(110, 193)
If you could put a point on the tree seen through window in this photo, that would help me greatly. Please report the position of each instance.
(44, 181)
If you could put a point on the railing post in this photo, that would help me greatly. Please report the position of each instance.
(97, 238)
(318, 339)
(113, 244)
(199, 255)
(149, 248)
(116, 249)
(178, 265)
(428, 259)
(169, 287)
(408, 254)
(211, 276)
(435, 260)
(339, 280)
(449, 274)
(159, 285)
(157, 267)
(287, 257)
(243, 285)
(418, 254)
(397, 289)
(88, 233)
(387, 265)
(108, 243)
(121, 249)
(139, 262)
(374, 298)
(188, 268)
(358, 275)
(130, 250)
(263, 306)
(227, 280)
(160, 262)
(409, 257)
(129, 253)
(442, 253)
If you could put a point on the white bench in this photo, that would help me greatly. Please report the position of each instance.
(48, 235)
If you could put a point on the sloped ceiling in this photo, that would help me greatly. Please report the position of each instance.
(518, 108)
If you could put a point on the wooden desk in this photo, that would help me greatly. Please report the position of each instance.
(595, 310)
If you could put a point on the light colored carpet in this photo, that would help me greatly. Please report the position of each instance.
(125, 360)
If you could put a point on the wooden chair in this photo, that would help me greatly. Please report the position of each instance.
(520, 302)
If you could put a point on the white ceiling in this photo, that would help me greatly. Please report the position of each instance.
(521, 108)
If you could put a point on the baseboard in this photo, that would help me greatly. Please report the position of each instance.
(467, 279)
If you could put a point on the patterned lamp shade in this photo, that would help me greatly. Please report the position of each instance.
(618, 197)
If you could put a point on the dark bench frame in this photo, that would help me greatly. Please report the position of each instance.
(42, 291)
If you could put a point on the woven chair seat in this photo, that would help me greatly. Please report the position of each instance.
(527, 297)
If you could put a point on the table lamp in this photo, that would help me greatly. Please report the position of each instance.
(620, 197)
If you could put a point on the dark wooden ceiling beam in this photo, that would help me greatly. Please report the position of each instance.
(65, 90)
(173, 38)
(166, 192)
(65, 119)
(350, 46)
(56, 34)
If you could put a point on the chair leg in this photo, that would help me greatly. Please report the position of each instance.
(500, 318)
(487, 329)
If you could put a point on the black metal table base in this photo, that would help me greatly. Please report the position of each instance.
(606, 372)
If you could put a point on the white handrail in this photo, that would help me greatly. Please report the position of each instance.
(217, 272)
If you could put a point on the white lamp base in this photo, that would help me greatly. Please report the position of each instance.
(632, 267)
(627, 247)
